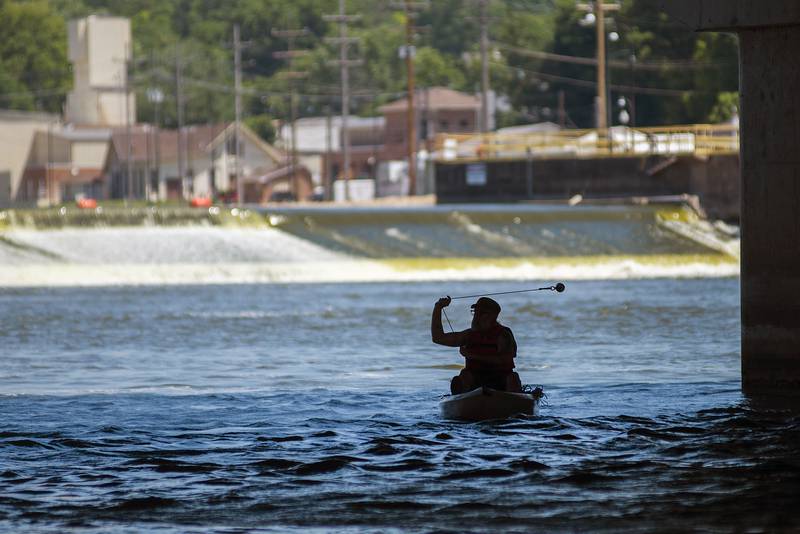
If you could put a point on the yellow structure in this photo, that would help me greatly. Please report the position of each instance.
(619, 141)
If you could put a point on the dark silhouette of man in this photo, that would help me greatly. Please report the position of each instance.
(488, 347)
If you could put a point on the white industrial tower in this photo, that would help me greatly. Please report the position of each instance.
(99, 49)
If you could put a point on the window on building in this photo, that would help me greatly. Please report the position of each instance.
(464, 124)
(444, 125)
(230, 146)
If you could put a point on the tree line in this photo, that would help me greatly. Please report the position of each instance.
(659, 73)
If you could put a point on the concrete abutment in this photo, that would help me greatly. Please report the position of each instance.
(769, 41)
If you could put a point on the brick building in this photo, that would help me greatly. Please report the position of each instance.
(437, 110)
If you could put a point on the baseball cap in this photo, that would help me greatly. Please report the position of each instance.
(486, 304)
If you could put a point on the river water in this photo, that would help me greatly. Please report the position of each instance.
(299, 406)
(295, 387)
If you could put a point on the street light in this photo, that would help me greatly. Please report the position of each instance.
(629, 103)
(155, 96)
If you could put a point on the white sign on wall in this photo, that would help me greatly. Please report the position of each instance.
(476, 174)
(359, 189)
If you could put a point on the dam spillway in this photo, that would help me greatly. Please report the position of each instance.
(330, 244)
(493, 231)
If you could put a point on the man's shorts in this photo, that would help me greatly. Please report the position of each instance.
(492, 379)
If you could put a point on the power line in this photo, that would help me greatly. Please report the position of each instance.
(590, 61)
(592, 85)
(39, 92)
(255, 93)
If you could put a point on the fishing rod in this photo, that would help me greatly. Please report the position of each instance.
(559, 288)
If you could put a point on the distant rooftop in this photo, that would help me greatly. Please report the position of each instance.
(435, 98)
(85, 133)
(197, 139)
(312, 132)
(17, 115)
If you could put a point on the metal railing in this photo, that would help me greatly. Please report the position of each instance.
(697, 139)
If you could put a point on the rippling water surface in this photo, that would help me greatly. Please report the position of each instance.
(311, 406)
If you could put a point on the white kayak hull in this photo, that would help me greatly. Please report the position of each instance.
(486, 403)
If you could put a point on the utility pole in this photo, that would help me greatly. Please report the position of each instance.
(344, 64)
(410, 9)
(129, 163)
(148, 163)
(602, 100)
(328, 130)
(484, 23)
(179, 104)
(410, 110)
(290, 54)
(599, 9)
(237, 92)
(49, 168)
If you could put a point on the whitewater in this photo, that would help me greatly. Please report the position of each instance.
(376, 245)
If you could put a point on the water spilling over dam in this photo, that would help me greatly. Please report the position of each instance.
(326, 244)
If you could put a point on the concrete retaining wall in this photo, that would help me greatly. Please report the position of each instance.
(715, 180)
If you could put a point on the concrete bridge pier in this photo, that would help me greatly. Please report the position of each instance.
(769, 44)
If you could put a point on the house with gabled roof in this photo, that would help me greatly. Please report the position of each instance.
(206, 155)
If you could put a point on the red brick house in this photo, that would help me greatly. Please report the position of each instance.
(438, 110)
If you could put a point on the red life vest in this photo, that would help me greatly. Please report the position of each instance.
(485, 344)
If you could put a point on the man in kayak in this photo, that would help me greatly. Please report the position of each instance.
(488, 347)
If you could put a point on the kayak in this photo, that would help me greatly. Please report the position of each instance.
(486, 403)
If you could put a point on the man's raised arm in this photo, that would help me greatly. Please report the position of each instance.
(438, 336)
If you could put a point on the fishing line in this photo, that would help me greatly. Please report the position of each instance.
(448, 320)
(559, 288)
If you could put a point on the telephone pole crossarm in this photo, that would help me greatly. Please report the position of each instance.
(341, 18)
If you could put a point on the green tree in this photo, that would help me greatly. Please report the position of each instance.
(726, 107)
(263, 126)
(434, 68)
(696, 69)
(34, 73)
